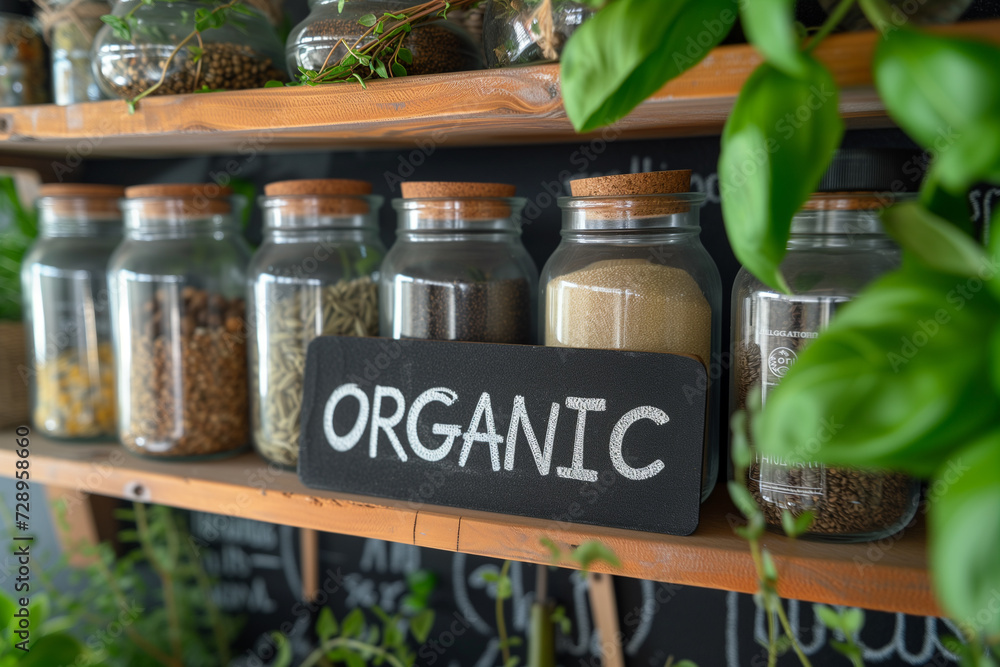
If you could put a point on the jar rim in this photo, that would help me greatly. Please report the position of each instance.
(142, 212)
(320, 211)
(471, 214)
(645, 212)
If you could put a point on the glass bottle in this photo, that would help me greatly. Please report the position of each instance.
(315, 43)
(244, 52)
(23, 76)
(178, 282)
(631, 274)
(316, 274)
(837, 246)
(70, 31)
(67, 315)
(458, 269)
(518, 32)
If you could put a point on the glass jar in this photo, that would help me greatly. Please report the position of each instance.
(23, 77)
(631, 274)
(64, 283)
(458, 269)
(70, 28)
(177, 286)
(441, 46)
(837, 246)
(240, 54)
(316, 274)
(517, 32)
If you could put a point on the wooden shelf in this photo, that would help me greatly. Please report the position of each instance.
(505, 106)
(888, 576)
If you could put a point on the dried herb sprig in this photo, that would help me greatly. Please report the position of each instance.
(383, 57)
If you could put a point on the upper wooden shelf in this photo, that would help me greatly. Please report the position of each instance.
(504, 106)
(888, 576)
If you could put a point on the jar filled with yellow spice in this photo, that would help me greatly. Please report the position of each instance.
(631, 274)
(70, 364)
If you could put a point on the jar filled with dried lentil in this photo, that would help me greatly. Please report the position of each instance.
(837, 246)
(518, 32)
(178, 282)
(67, 314)
(326, 33)
(458, 269)
(244, 52)
(316, 274)
(23, 75)
(631, 274)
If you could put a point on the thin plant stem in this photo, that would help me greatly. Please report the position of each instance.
(164, 572)
(501, 623)
(318, 654)
(214, 616)
(788, 631)
(831, 23)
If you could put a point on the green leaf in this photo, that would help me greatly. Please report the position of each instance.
(627, 51)
(828, 616)
(995, 359)
(742, 456)
(776, 145)
(936, 242)
(951, 207)
(326, 624)
(504, 588)
(555, 553)
(51, 650)
(196, 53)
(770, 27)
(770, 570)
(421, 625)
(368, 20)
(742, 499)
(274, 84)
(964, 534)
(685, 663)
(422, 582)
(852, 620)
(593, 551)
(993, 274)
(7, 609)
(340, 6)
(944, 92)
(354, 660)
(283, 657)
(379, 28)
(895, 381)
(406, 56)
(119, 26)
(353, 623)
(794, 526)
(379, 68)
(513, 661)
(242, 9)
(398, 70)
(364, 86)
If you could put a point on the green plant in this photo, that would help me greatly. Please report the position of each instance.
(48, 643)
(18, 227)
(931, 407)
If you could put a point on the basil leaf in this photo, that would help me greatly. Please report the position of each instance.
(628, 50)
(964, 523)
(770, 27)
(944, 92)
(936, 243)
(896, 380)
(776, 145)
(952, 207)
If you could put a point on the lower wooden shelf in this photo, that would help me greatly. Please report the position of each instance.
(890, 575)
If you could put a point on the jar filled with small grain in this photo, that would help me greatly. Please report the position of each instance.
(458, 270)
(178, 282)
(631, 274)
(326, 34)
(67, 312)
(316, 274)
(837, 247)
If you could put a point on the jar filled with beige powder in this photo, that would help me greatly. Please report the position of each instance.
(631, 274)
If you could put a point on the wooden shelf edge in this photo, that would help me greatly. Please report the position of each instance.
(502, 106)
(887, 576)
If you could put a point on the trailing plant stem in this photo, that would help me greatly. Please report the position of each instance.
(831, 23)
(319, 654)
(501, 623)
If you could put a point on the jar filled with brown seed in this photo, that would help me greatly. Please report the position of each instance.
(316, 274)
(325, 35)
(631, 274)
(178, 282)
(458, 269)
(837, 246)
(244, 52)
(67, 314)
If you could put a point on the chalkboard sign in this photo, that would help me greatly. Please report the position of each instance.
(584, 436)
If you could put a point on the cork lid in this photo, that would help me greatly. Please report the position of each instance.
(183, 200)
(629, 201)
(435, 200)
(80, 199)
(319, 197)
(852, 201)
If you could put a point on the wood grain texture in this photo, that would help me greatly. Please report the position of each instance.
(890, 575)
(503, 106)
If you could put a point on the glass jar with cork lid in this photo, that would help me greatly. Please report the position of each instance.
(837, 246)
(178, 282)
(458, 270)
(316, 274)
(631, 274)
(67, 314)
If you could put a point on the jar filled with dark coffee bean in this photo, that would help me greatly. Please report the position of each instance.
(244, 52)
(458, 270)
(837, 247)
(316, 274)
(325, 35)
(177, 294)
